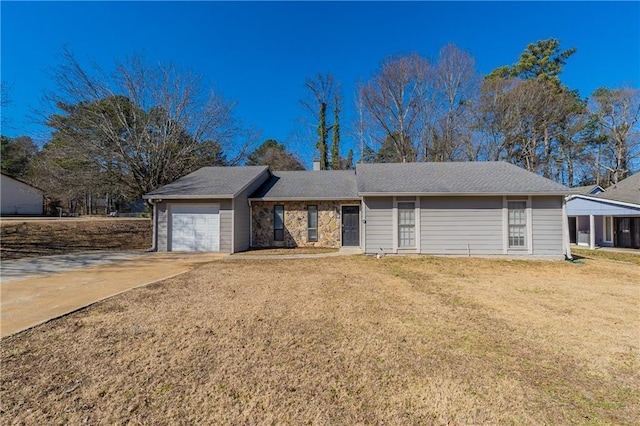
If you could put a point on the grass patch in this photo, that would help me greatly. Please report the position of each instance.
(610, 255)
(342, 340)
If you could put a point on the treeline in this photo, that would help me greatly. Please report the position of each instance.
(118, 135)
(414, 110)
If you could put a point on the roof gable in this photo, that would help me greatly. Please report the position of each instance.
(315, 185)
(210, 182)
(588, 189)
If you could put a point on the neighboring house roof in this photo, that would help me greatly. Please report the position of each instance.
(309, 185)
(588, 189)
(210, 182)
(626, 191)
(459, 178)
(23, 182)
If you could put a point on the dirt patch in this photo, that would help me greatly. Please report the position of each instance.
(342, 340)
(41, 238)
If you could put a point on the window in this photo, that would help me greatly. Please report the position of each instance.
(278, 223)
(407, 224)
(517, 223)
(608, 229)
(312, 223)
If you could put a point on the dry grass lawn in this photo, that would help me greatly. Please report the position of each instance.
(51, 236)
(346, 340)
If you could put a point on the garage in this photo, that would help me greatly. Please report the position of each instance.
(195, 228)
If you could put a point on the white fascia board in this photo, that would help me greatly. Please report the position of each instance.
(603, 200)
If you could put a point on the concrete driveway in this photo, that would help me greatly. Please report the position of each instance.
(19, 269)
(37, 290)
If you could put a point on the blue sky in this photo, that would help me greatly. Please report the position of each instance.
(259, 54)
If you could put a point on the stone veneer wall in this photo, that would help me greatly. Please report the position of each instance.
(295, 223)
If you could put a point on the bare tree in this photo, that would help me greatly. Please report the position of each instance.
(617, 113)
(456, 90)
(5, 100)
(396, 103)
(150, 124)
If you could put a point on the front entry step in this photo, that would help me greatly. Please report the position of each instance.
(350, 250)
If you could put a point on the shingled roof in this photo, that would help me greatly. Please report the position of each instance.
(305, 185)
(460, 178)
(456, 178)
(626, 191)
(588, 189)
(210, 182)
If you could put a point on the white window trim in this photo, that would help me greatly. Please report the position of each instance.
(604, 229)
(317, 219)
(396, 226)
(394, 218)
(418, 225)
(363, 226)
(505, 226)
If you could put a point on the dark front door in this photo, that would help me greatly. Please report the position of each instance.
(628, 232)
(350, 226)
(573, 229)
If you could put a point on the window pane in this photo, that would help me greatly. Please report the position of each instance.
(278, 223)
(278, 217)
(313, 216)
(406, 213)
(312, 223)
(406, 224)
(407, 236)
(608, 231)
(517, 223)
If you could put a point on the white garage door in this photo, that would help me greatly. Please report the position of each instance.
(195, 228)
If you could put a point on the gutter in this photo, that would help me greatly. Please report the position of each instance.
(154, 239)
(461, 194)
(349, 198)
(604, 200)
(565, 231)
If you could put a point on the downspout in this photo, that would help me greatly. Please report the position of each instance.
(250, 225)
(155, 226)
(565, 230)
(363, 226)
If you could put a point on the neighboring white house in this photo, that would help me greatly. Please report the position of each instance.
(609, 218)
(20, 198)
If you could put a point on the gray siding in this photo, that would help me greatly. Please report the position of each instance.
(242, 216)
(162, 236)
(454, 225)
(547, 225)
(379, 226)
(164, 232)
